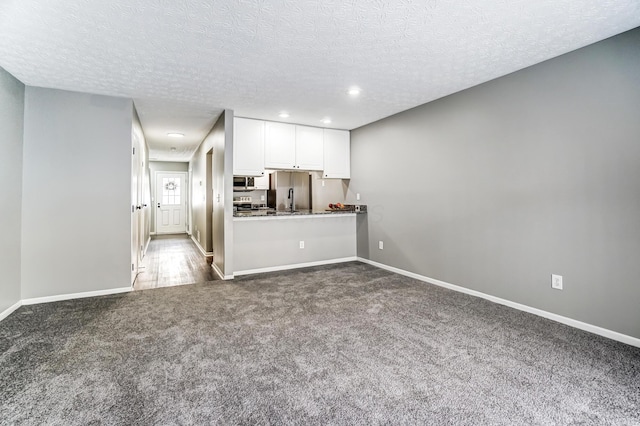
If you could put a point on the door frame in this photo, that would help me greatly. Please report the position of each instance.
(187, 197)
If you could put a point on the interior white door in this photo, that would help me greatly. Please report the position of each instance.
(170, 203)
(135, 206)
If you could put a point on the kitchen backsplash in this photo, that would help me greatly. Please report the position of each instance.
(333, 191)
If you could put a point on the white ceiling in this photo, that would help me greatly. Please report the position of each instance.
(161, 116)
(184, 61)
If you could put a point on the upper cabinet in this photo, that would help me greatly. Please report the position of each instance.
(337, 154)
(248, 147)
(280, 146)
(261, 182)
(309, 148)
(260, 145)
(291, 147)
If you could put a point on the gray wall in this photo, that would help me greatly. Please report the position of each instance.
(199, 194)
(76, 213)
(220, 140)
(11, 127)
(162, 166)
(274, 241)
(499, 186)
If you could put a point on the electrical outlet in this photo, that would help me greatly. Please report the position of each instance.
(380, 245)
(262, 198)
(556, 281)
(323, 183)
(358, 196)
(301, 244)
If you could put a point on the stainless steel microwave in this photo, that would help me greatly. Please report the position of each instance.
(244, 183)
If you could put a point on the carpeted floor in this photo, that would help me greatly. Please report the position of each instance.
(341, 344)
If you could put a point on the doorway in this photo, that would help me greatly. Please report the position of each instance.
(208, 247)
(171, 202)
(173, 260)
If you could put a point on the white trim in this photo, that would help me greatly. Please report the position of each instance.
(146, 246)
(295, 266)
(219, 272)
(614, 335)
(152, 233)
(10, 310)
(69, 296)
(200, 248)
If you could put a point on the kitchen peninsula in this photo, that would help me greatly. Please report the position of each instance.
(285, 177)
(284, 240)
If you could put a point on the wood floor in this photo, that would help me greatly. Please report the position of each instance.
(173, 260)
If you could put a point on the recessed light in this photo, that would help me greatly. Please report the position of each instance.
(326, 120)
(283, 114)
(173, 149)
(353, 91)
(175, 135)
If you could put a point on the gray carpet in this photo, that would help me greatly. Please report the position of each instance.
(344, 344)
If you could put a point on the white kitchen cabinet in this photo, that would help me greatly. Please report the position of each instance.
(292, 147)
(280, 146)
(262, 182)
(337, 154)
(248, 147)
(309, 148)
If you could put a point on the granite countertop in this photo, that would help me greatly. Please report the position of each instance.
(262, 213)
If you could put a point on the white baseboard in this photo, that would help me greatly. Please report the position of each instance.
(69, 296)
(219, 272)
(152, 233)
(10, 310)
(295, 266)
(614, 335)
(202, 250)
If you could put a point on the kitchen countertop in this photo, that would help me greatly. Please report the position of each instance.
(284, 214)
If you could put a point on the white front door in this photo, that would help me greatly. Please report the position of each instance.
(170, 203)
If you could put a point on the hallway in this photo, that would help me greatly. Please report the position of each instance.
(173, 260)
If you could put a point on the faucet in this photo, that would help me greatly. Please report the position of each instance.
(290, 197)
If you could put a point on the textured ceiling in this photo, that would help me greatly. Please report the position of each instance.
(183, 61)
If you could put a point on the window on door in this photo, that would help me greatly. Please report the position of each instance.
(170, 191)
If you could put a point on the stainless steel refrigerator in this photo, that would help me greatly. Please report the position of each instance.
(289, 188)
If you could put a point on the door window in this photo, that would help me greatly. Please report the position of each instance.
(170, 191)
